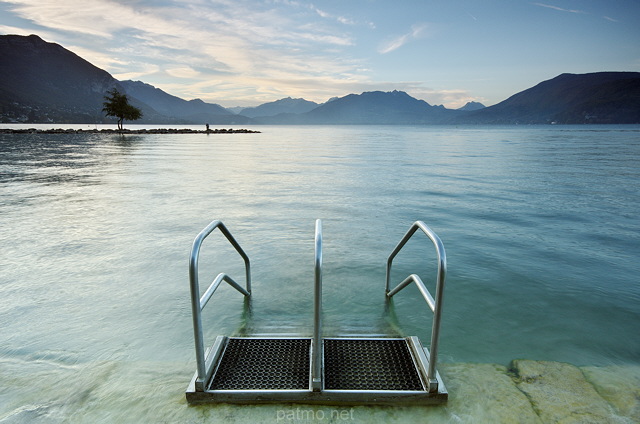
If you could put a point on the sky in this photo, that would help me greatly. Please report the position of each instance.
(248, 52)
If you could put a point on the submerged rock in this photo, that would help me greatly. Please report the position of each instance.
(619, 385)
(71, 391)
(560, 393)
(485, 393)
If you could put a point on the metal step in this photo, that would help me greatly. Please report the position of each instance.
(369, 364)
(263, 364)
(356, 371)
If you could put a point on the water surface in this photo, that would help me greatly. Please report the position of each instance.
(540, 225)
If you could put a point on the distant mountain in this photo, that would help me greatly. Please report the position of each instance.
(472, 106)
(596, 98)
(376, 107)
(195, 111)
(44, 82)
(287, 105)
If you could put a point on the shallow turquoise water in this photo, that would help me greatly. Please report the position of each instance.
(540, 225)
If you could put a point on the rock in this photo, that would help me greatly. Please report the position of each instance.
(127, 131)
(619, 385)
(559, 393)
(485, 393)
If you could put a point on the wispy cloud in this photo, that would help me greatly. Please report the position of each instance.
(215, 38)
(135, 71)
(341, 19)
(321, 12)
(610, 19)
(394, 44)
(559, 8)
(183, 72)
(5, 29)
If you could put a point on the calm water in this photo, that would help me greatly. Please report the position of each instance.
(540, 225)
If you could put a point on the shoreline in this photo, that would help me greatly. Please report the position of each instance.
(525, 391)
(126, 131)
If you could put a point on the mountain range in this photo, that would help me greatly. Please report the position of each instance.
(44, 82)
(278, 107)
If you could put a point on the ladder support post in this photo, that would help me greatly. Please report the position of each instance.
(198, 303)
(316, 349)
(434, 304)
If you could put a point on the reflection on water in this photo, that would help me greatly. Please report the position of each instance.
(540, 226)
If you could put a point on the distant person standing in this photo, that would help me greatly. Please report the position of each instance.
(207, 127)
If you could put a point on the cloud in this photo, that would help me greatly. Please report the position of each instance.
(559, 8)
(5, 29)
(99, 59)
(183, 72)
(135, 71)
(221, 36)
(396, 43)
(321, 13)
(223, 51)
(345, 21)
(96, 18)
(341, 19)
(610, 19)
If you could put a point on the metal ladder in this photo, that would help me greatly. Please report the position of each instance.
(332, 370)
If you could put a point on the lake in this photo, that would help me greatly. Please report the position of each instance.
(540, 226)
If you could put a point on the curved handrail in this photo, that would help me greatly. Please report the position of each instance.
(442, 259)
(216, 283)
(197, 243)
(434, 305)
(316, 367)
(414, 278)
(198, 303)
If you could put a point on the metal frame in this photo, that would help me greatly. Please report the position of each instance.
(206, 362)
(434, 305)
(316, 348)
(328, 396)
(199, 391)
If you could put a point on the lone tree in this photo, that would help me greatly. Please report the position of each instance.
(117, 104)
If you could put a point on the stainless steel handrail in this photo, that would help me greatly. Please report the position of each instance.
(205, 366)
(414, 278)
(316, 367)
(434, 305)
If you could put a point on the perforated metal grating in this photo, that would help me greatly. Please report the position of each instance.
(373, 364)
(263, 364)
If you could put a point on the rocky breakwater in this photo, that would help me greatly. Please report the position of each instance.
(125, 131)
